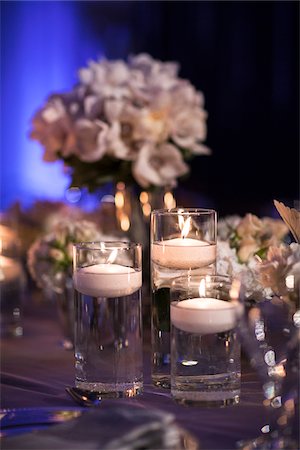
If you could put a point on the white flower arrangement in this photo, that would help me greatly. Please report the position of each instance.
(50, 257)
(254, 249)
(135, 121)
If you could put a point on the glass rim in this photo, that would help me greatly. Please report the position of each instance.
(109, 245)
(183, 211)
(214, 278)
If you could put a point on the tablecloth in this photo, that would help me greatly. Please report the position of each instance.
(35, 370)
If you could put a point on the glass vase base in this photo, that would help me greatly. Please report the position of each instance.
(206, 399)
(112, 390)
(162, 381)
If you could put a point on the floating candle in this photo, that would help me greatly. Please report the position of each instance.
(107, 280)
(183, 253)
(203, 315)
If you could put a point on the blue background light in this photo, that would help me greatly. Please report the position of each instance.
(244, 57)
(41, 51)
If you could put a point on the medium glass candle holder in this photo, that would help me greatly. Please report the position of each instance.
(108, 318)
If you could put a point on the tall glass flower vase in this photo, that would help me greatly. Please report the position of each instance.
(133, 207)
(65, 309)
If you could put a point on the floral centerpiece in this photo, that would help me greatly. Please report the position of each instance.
(134, 121)
(50, 257)
(255, 249)
(50, 263)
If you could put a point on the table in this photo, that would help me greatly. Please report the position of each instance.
(36, 370)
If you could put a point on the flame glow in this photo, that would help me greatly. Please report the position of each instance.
(119, 199)
(144, 197)
(235, 290)
(290, 281)
(169, 200)
(147, 209)
(124, 222)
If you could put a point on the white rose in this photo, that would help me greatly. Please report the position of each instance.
(90, 139)
(159, 166)
(52, 127)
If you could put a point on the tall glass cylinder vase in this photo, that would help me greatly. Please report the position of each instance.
(133, 208)
(65, 308)
(183, 243)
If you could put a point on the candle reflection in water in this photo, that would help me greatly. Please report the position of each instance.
(12, 283)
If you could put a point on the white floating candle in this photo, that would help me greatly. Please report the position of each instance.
(183, 253)
(203, 315)
(107, 280)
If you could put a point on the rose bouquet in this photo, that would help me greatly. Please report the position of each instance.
(135, 121)
(255, 249)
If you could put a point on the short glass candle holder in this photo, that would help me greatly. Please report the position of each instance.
(205, 351)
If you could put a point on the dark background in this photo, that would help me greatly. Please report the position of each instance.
(244, 57)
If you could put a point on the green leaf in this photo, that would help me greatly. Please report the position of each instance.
(262, 252)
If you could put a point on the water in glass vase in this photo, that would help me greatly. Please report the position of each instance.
(205, 368)
(108, 344)
(164, 271)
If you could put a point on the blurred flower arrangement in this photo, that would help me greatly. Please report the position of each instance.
(50, 257)
(134, 122)
(256, 249)
(39, 219)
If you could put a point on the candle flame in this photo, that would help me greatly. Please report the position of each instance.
(185, 226)
(112, 256)
(180, 222)
(202, 288)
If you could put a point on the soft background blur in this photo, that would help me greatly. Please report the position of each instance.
(244, 57)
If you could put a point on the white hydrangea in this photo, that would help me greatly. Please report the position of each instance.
(117, 111)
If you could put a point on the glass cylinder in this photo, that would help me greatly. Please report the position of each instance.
(108, 318)
(65, 308)
(183, 242)
(12, 283)
(205, 351)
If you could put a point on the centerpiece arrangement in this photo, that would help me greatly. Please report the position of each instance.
(135, 122)
(50, 263)
(265, 265)
(131, 124)
(258, 250)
